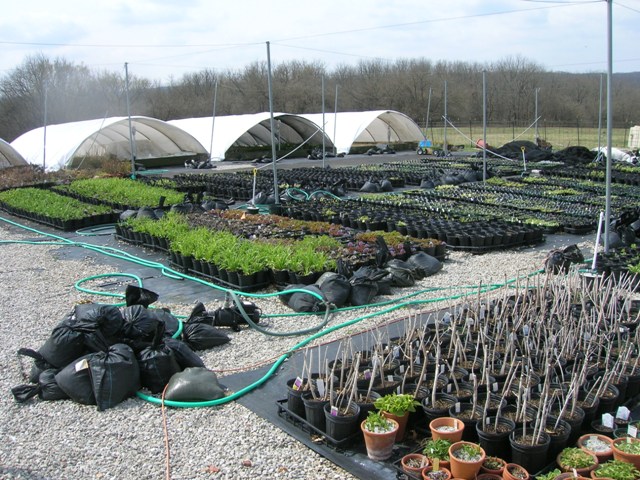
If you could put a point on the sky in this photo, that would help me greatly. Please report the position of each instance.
(163, 39)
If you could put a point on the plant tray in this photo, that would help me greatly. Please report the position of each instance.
(317, 435)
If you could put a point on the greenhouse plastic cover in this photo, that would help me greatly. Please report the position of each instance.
(69, 141)
(249, 130)
(372, 127)
(9, 157)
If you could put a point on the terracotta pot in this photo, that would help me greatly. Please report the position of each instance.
(455, 435)
(581, 472)
(402, 423)
(569, 476)
(416, 471)
(603, 456)
(509, 468)
(463, 468)
(618, 454)
(492, 471)
(425, 473)
(379, 445)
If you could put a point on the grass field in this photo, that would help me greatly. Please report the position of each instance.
(559, 137)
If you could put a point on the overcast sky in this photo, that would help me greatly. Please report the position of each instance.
(163, 39)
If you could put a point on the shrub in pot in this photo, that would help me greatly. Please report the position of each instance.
(493, 465)
(437, 450)
(627, 449)
(397, 407)
(379, 435)
(616, 470)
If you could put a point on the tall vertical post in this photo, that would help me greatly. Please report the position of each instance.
(276, 193)
(607, 213)
(44, 139)
(335, 122)
(131, 146)
(536, 116)
(599, 156)
(323, 124)
(213, 117)
(426, 122)
(484, 125)
(445, 145)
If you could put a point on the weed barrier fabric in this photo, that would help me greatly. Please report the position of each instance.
(263, 401)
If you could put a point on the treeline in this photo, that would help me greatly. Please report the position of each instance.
(412, 86)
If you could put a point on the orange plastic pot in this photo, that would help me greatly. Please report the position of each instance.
(461, 468)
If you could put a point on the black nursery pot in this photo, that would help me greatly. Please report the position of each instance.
(341, 427)
(463, 412)
(558, 440)
(314, 411)
(432, 412)
(294, 398)
(496, 444)
(532, 457)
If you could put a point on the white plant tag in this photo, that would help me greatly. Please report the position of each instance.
(367, 374)
(623, 413)
(82, 365)
(470, 322)
(494, 387)
(607, 420)
(449, 388)
(442, 368)
(472, 377)
(320, 385)
(457, 407)
(334, 411)
(401, 368)
(389, 378)
(399, 390)
(396, 352)
(418, 359)
(632, 431)
(525, 330)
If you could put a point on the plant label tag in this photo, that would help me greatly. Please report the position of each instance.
(483, 309)
(399, 389)
(449, 388)
(401, 368)
(587, 336)
(320, 385)
(513, 337)
(396, 352)
(457, 407)
(494, 387)
(418, 359)
(607, 420)
(82, 365)
(297, 384)
(487, 421)
(389, 378)
(334, 411)
(442, 368)
(632, 431)
(525, 330)
(623, 413)
(367, 374)
(436, 464)
(424, 377)
(472, 377)
(470, 322)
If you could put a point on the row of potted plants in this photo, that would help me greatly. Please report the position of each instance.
(49, 208)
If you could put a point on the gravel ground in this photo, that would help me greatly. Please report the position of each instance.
(65, 440)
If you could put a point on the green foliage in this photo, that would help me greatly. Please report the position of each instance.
(573, 457)
(631, 446)
(377, 423)
(124, 191)
(549, 476)
(48, 203)
(618, 470)
(437, 449)
(397, 404)
(468, 452)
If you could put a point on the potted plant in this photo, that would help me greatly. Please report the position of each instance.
(414, 463)
(493, 465)
(379, 435)
(616, 470)
(433, 473)
(627, 449)
(578, 460)
(437, 451)
(552, 475)
(513, 471)
(466, 459)
(397, 407)
(599, 445)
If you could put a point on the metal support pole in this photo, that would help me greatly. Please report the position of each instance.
(536, 116)
(276, 193)
(484, 125)
(599, 156)
(426, 123)
(445, 146)
(131, 146)
(44, 140)
(323, 124)
(607, 212)
(213, 117)
(335, 123)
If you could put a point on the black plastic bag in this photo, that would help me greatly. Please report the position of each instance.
(202, 336)
(157, 363)
(115, 375)
(560, 260)
(170, 322)
(306, 302)
(424, 264)
(335, 288)
(46, 389)
(139, 323)
(194, 385)
(401, 273)
(365, 284)
(135, 295)
(39, 363)
(64, 345)
(184, 355)
(232, 316)
(75, 381)
(107, 318)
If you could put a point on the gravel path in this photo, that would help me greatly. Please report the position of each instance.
(65, 440)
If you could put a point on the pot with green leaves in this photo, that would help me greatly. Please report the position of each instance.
(437, 451)
(397, 407)
(616, 470)
(627, 449)
(575, 459)
(379, 435)
(493, 465)
(597, 444)
(466, 459)
(414, 463)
